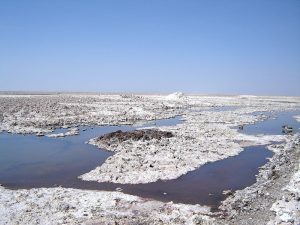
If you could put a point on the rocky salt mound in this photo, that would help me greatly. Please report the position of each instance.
(287, 206)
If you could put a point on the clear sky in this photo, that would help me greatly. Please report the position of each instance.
(195, 46)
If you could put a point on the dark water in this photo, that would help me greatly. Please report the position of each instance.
(30, 161)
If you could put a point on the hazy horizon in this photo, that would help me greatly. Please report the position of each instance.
(204, 47)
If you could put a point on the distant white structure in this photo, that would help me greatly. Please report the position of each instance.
(175, 96)
(247, 96)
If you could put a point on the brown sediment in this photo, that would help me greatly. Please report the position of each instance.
(143, 135)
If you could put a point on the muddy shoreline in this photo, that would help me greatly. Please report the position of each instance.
(270, 192)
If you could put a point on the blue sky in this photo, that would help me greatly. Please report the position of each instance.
(194, 46)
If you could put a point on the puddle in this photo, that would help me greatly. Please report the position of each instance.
(29, 161)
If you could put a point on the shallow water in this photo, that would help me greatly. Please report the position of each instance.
(274, 124)
(30, 161)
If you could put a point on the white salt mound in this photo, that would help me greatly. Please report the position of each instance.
(175, 96)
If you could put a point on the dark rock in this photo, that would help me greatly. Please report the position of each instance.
(228, 192)
(287, 129)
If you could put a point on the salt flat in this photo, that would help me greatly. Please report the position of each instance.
(205, 135)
